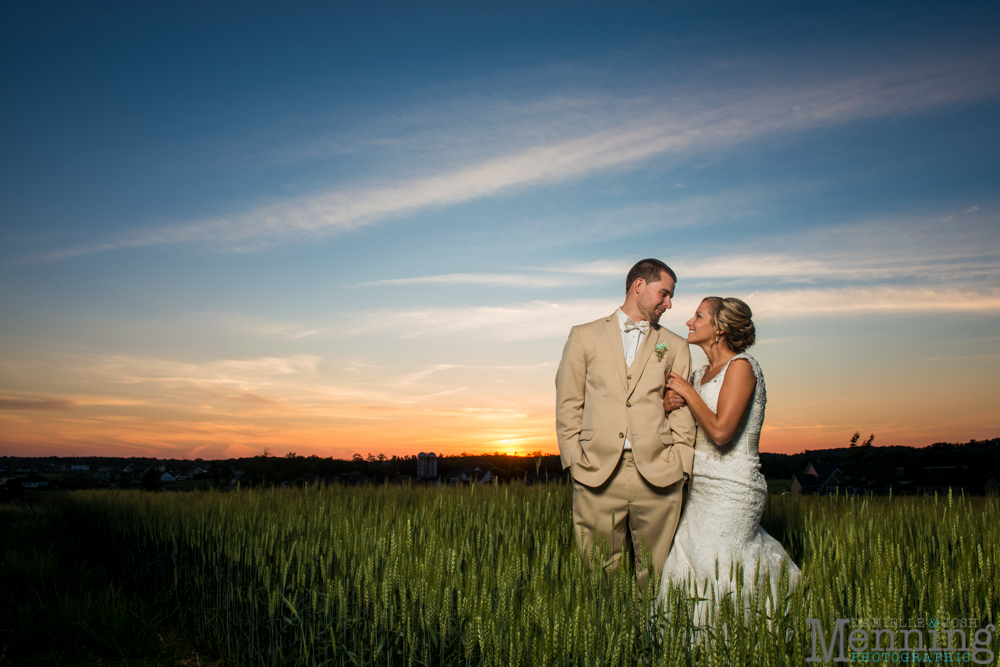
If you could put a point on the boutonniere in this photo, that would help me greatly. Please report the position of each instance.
(661, 350)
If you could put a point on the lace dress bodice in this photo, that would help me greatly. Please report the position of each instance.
(720, 524)
(746, 438)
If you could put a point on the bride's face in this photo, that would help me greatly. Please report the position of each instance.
(700, 328)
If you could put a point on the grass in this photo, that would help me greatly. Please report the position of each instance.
(778, 486)
(62, 605)
(491, 576)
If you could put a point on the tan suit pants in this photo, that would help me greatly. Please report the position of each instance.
(650, 513)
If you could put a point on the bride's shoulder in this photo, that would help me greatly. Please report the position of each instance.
(750, 360)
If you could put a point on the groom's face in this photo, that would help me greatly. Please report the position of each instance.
(654, 299)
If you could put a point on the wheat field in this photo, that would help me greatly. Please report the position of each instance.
(491, 575)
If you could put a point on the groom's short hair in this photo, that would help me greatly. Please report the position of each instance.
(649, 270)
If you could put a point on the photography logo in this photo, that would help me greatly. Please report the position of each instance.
(897, 640)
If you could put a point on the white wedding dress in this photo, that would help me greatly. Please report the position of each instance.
(721, 519)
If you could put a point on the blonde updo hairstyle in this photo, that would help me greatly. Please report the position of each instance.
(734, 318)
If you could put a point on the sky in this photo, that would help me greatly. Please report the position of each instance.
(338, 228)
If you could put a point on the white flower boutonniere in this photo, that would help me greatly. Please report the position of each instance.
(661, 350)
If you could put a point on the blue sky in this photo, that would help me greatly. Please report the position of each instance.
(329, 228)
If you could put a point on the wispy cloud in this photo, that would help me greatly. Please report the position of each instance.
(229, 378)
(874, 251)
(619, 145)
(853, 301)
(18, 403)
(504, 279)
(553, 319)
(523, 321)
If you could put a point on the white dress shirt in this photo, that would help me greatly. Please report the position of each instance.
(631, 340)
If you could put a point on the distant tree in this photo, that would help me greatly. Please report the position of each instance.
(219, 474)
(913, 469)
(262, 469)
(862, 462)
(151, 480)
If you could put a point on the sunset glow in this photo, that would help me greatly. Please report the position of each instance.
(331, 233)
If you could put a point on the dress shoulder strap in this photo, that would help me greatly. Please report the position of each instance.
(759, 398)
(753, 363)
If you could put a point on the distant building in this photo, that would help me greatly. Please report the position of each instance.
(353, 478)
(819, 478)
(469, 475)
(34, 481)
(79, 467)
(427, 465)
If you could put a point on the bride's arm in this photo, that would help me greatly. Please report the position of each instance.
(734, 397)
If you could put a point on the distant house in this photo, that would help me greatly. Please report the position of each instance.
(33, 481)
(819, 478)
(469, 475)
(353, 478)
(826, 478)
(167, 477)
(107, 475)
(427, 467)
(79, 467)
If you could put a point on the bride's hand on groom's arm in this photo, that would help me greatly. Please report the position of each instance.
(672, 401)
(678, 386)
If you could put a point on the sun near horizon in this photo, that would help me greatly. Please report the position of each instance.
(229, 231)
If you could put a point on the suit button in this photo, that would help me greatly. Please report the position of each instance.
(628, 405)
(629, 377)
(621, 435)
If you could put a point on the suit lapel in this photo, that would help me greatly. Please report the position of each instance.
(614, 332)
(642, 355)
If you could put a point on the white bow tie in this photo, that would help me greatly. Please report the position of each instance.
(643, 326)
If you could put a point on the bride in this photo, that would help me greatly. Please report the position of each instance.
(720, 524)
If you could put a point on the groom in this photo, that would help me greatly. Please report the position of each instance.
(628, 459)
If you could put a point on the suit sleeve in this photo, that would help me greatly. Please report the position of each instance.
(681, 421)
(571, 383)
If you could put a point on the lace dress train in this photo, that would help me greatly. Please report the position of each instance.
(719, 529)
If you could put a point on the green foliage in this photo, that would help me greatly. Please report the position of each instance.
(151, 480)
(59, 607)
(406, 576)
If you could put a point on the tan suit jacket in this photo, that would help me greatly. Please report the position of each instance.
(600, 402)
